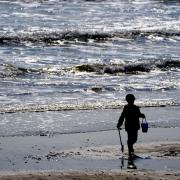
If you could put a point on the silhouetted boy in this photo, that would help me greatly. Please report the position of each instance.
(131, 113)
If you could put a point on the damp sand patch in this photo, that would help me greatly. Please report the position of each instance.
(163, 150)
(161, 157)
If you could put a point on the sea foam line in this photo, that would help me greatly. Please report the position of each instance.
(115, 104)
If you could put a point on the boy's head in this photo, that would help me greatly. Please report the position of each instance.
(130, 98)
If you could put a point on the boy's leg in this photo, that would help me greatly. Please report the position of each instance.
(132, 138)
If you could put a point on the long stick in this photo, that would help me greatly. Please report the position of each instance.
(122, 146)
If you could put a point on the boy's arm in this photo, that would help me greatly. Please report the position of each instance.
(121, 119)
(141, 115)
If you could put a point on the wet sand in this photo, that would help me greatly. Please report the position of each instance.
(93, 155)
(123, 175)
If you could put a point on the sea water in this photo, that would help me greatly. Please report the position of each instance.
(66, 66)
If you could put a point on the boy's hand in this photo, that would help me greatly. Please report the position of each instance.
(118, 126)
(143, 116)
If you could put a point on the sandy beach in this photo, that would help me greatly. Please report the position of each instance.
(124, 175)
(93, 155)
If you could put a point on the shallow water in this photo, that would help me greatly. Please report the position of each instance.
(51, 123)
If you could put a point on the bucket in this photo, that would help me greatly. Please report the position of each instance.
(144, 126)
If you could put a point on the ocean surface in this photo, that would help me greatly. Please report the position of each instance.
(66, 66)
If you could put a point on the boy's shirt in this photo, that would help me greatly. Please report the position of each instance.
(131, 113)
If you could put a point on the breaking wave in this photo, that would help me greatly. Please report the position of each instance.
(130, 68)
(13, 71)
(9, 70)
(54, 37)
